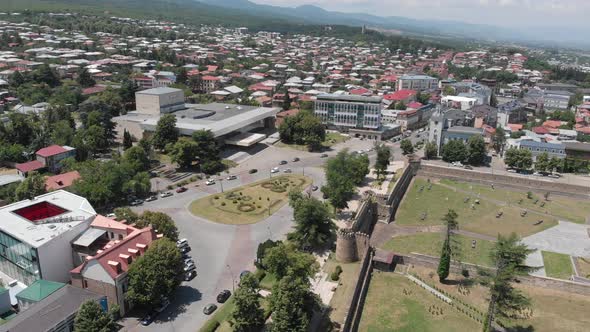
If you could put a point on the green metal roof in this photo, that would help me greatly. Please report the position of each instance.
(39, 290)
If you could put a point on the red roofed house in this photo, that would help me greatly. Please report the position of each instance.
(61, 181)
(408, 119)
(52, 156)
(402, 95)
(105, 272)
(552, 124)
(24, 168)
(209, 83)
(540, 130)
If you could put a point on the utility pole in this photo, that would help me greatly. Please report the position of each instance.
(233, 281)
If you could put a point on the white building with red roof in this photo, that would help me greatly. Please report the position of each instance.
(52, 156)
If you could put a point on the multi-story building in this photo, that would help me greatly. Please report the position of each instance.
(462, 103)
(48, 158)
(159, 100)
(480, 92)
(345, 111)
(556, 100)
(537, 148)
(36, 236)
(442, 120)
(417, 82)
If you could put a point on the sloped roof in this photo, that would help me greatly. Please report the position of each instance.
(51, 150)
(39, 290)
(29, 166)
(61, 181)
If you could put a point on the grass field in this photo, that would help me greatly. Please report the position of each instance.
(331, 140)
(249, 204)
(480, 218)
(553, 311)
(431, 244)
(584, 267)
(557, 265)
(345, 288)
(388, 308)
(571, 209)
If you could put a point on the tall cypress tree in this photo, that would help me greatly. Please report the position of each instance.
(444, 265)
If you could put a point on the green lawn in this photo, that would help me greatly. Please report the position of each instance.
(331, 140)
(249, 204)
(389, 309)
(479, 218)
(557, 265)
(345, 289)
(431, 244)
(584, 267)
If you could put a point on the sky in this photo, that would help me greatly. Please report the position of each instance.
(509, 13)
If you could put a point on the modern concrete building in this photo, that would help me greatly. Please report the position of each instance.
(556, 100)
(346, 111)
(537, 148)
(159, 100)
(36, 236)
(417, 82)
(462, 103)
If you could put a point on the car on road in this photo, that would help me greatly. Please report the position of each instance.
(288, 170)
(314, 188)
(554, 175)
(210, 182)
(324, 155)
(252, 171)
(467, 167)
(182, 243)
(209, 308)
(136, 202)
(274, 170)
(181, 190)
(190, 266)
(185, 249)
(283, 162)
(223, 296)
(166, 194)
(148, 319)
(165, 303)
(231, 177)
(151, 198)
(296, 159)
(511, 170)
(190, 275)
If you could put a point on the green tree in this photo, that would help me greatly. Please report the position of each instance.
(555, 164)
(508, 256)
(125, 213)
(499, 139)
(247, 315)
(430, 150)
(95, 139)
(13, 153)
(127, 141)
(262, 248)
(62, 133)
(207, 151)
(476, 150)
(154, 275)
(518, 158)
(91, 318)
(313, 223)
(493, 100)
(304, 128)
(449, 245)
(166, 132)
(138, 185)
(287, 101)
(44, 74)
(183, 152)
(137, 158)
(454, 150)
(449, 91)
(284, 259)
(383, 157)
(32, 186)
(542, 162)
(160, 222)
(406, 146)
(292, 304)
(84, 78)
(344, 172)
(182, 77)
(127, 90)
(400, 106)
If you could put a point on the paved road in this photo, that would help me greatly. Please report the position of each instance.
(220, 251)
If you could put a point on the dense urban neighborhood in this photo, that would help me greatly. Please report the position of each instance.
(162, 176)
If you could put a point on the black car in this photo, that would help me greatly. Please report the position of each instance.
(296, 159)
(244, 273)
(324, 155)
(148, 319)
(314, 188)
(252, 171)
(185, 249)
(190, 275)
(209, 308)
(283, 162)
(223, 296)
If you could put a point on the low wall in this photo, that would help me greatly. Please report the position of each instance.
(357, 300)
(530, 183)
(388, 204)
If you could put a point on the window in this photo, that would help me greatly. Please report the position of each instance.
(84, 283)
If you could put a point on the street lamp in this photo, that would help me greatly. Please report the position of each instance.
(233, 281)
(221, 183)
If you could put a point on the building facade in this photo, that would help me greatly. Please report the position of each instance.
(159, 100)
(417, 82)
(346, 112)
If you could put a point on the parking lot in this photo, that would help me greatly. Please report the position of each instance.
(222, 251)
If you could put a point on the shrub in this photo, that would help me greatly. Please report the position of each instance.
(179, 185)
(258, 206)
(216, 197)
(210, 326)
(170, 187)
(260, 274)
(235, 202)
(336, 273)
(529, 195)
(222, 203)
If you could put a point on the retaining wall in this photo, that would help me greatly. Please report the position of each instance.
(357, 301)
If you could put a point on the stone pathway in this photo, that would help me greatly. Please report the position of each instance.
(536, 259)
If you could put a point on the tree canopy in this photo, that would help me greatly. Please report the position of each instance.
(406, 146)
(247, 315)
(304, 128)
(91, 318)
(313, 223)
(284, 259)
(454, 150)
(476, 150)
(518, 158)
(160, 222)
(344, 172)
(166, 132)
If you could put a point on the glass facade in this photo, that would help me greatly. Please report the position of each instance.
(349, 114)
(18, 260)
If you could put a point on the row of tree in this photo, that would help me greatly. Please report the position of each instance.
(304, 128)
(474, 152)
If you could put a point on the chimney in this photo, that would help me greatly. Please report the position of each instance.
(142, 247)
(133, 252)
(116, 266)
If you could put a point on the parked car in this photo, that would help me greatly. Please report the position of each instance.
(223, 296)
(252, 171)
(188, 261)
(511, 170)
(186, 256)
(189, 267)
(324, 155)
(151, 198)
(231, 177)
(111, 216)
(181, 190)
(210, 182)
(296, 159)
(165, 303)
(314, 188)
(136, 202)
(274, 170)
(184, 250)
(209, 308)
(283, 162)
(288, 170)
(244, 273)
(148, 319)
(190, 275)
(153, 174)
(467, 167)
(166, 194)
(182, 243)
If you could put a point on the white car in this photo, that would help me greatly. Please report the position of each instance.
(274, 170)
(210, 182)
(182, 243)
(166, 194)
(231, 177)
(288, 170)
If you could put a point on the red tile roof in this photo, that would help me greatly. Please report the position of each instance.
(210, 78)
(414, 105)
(552, 124)
(29, 166)
(359, 92)
(515, 126)
(540, 130)
(400, 95)
(132, 246)
(51, 150)
(61, 181)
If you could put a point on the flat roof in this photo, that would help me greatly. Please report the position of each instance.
(462, 129)
(35, 231)
(10, 178)
(157, 91)
(89, 236)
(353, 98)
(245, 139)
